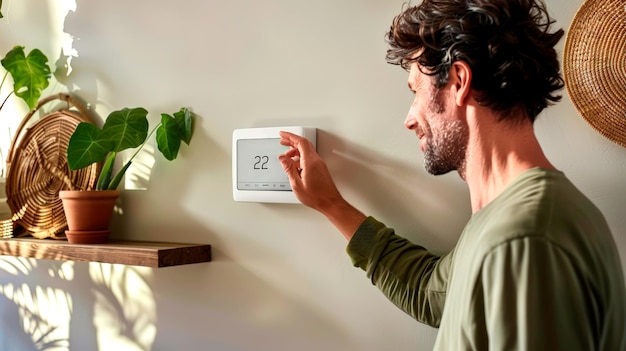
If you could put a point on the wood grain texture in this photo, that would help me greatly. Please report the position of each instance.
(133, 253)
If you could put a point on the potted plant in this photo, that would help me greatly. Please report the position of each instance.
(123, 129)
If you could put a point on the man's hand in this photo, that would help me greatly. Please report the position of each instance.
(313, 185)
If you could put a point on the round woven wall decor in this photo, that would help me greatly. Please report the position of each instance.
(37, 170)
(594, 65)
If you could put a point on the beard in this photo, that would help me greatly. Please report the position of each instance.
(445, 150)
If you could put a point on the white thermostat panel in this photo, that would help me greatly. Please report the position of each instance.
(258, 176)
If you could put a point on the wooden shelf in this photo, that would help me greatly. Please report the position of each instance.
(133, 253)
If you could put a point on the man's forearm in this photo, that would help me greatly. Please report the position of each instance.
(345, 217)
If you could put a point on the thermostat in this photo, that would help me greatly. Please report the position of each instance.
(258, 176)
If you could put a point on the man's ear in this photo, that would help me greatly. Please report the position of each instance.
(461, 80)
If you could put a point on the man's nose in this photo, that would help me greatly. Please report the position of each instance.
(410, 122)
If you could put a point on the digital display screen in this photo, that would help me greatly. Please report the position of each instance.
(258, 168)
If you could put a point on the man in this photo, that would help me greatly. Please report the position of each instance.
(536, 267)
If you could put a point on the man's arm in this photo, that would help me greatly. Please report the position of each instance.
(411, 277)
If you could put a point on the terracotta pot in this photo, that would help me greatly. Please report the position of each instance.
(88, 212)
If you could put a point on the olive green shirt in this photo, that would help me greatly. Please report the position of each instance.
(535, 269)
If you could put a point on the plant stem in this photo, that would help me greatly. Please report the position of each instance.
(1, 85)
(4, 78)
(5, 100)
(144, 143)
(105, 174)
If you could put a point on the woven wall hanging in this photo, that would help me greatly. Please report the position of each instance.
(594, 64)
(37, 169)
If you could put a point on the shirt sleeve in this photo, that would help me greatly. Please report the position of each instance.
(411, 277)
(518, 296)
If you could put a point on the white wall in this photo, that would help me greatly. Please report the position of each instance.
(280, 278)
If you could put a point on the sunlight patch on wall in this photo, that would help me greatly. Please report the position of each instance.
(125, 310)
(67, 49)
(65, 272)
(17, 265)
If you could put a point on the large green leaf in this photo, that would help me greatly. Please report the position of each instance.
(126, 128)
(86, 146)
(30, 73)
(168, 137)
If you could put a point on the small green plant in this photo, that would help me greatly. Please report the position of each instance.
(125, 129)
(31, 74)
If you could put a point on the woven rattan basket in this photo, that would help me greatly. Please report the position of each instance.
(37, 169)
(594, 66)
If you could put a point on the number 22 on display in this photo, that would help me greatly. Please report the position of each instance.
(261, 162)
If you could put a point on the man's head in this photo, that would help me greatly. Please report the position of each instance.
(506, 43)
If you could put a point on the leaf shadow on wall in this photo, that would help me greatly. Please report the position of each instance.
(33, 307)
(53, 305)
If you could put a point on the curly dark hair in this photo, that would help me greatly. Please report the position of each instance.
(507, 44)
